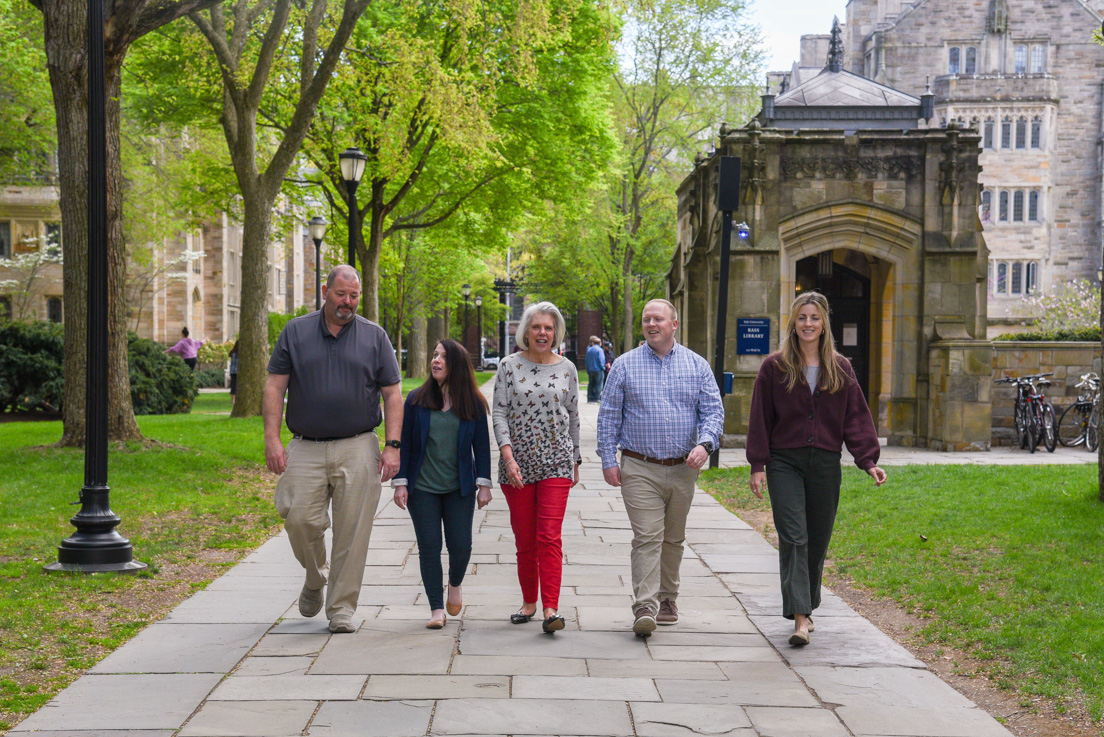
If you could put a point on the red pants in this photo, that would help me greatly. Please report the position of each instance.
(536, 516)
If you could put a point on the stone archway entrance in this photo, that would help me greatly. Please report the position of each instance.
(848, 293)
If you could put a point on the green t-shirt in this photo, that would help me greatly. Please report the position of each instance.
(440, 471)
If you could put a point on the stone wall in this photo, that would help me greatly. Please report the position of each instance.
(1067, 361)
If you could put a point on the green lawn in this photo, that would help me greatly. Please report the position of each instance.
(1011, 571)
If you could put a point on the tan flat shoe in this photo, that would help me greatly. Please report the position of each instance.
(799, 638)
(809, 621)
(436, 623)
(454, 609)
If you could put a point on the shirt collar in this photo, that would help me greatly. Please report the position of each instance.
(326, 331)
(649, 351)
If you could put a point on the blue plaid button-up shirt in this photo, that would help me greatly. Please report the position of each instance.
(661, 407)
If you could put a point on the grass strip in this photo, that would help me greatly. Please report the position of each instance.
(1003, 563)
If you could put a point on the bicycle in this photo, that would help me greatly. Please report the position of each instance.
(1078, 423)
(1033, 415)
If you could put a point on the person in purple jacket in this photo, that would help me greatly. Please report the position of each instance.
(806, 404)
(187, 348)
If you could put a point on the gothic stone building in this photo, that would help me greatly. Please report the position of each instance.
(851, 188)
(1027, 76)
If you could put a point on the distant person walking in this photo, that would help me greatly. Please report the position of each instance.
(333, 365)
(233, 371)
(536, 424)
(445, 458)
(596, 369)
(805, 406)
(187, 348)
(662, 409)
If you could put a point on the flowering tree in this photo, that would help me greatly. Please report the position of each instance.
(1071, 306)
(26, 268)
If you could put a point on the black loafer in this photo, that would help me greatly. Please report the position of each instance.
(519, 618)
(554, 624)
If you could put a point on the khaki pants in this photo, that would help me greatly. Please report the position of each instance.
(344, 475)
(657, 499)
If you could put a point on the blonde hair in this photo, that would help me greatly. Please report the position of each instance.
(830, 378)
(521, 337)
(670, 306)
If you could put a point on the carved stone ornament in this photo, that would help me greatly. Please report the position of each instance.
(997, 20)
(838, 167)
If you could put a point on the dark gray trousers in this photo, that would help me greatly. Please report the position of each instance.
(804, 488)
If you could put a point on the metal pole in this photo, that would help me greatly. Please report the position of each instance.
(96, 546)
(722, 315)
(317, 273)
(479, 342)
(352, 187)
(502, 324)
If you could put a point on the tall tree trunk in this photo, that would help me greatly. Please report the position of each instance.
(66, 58)
(436, 331)
(369, 253)
(253, 330)
(626, 289)
(417, 361)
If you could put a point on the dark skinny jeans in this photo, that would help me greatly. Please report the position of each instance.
(430, 512)
(804, 488)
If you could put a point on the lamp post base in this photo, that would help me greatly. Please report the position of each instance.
(95, 553)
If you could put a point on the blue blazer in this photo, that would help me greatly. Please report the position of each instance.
(473, 448)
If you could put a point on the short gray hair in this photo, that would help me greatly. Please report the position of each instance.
(345, 272)
(539, 308)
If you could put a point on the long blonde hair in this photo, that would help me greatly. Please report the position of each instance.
(830, 377)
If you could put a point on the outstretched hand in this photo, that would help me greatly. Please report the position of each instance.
(877, 474)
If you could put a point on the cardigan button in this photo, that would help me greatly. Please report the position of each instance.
(812, 416)
(810, 441)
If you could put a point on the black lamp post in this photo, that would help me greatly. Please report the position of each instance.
(317, 227)
(96, 546)
(352, 169)
(466, 289)
(479, 322)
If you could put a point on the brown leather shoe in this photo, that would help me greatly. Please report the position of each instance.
(668, 612)
(644, 623)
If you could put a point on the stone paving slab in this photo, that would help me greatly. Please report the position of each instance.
(894, 721)
(859, 643)
(285, 645)
(437, 687)
(250, 719)
(510, 665)
(592, 688)
(795, 722)
(289, 688)
(184, 648)
(765, 692)
(676, 720)
(582, 718)
(372, 719)
(873, 687)
(673, 669)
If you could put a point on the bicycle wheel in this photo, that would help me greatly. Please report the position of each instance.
(1033, 428)
(1020, 417)
(1073, 424)
(1050, 427)
(1091, 438)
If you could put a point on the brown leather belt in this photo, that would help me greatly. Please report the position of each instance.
(649, 459)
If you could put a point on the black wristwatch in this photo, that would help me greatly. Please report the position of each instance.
(708, 445)
(393, 444)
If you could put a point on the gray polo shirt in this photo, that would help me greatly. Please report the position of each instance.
(334, 389)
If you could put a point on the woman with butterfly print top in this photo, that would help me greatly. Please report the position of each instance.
(536, 424)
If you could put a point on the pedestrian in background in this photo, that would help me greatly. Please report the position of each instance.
(663, 410)
(805, 406)
(445, 458)
(187, 348)
(233, 372)
(536, 424)
(596, 369)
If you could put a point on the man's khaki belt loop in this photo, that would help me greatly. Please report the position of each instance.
(649, 459)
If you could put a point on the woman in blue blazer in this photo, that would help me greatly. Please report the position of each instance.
(445, 457)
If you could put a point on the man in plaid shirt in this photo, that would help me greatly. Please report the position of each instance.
(662, 409)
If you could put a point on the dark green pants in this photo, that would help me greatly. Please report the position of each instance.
(804, 488)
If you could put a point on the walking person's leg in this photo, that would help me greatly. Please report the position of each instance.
(551, 505)
(680, 495)
(426, 512)
(523, 521)
(822, 493)
(645, 503)
(786, 474)
(457, 512)
(355, 480)
(303, 500)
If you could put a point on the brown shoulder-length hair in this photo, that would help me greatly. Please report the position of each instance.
(831, 378)
(468, 403)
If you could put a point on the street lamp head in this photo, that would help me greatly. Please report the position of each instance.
(478, 300)
(466, 289)
(743, 231)
(352, 164)
(317, 227)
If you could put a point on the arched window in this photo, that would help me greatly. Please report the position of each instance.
(988, 133)
(953, 60)
(1019, 58)
(1033, 206)
(986, 205)
(1032, 277)
(1036, 132)
(971, 60)
(1018, 207)
(1002, 277)
(1017, 278)
(1006, 132)
(1038, 59)
(1021, 132)
(1002, 207)
(53, 309)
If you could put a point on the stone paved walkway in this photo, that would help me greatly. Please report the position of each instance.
(237, 659)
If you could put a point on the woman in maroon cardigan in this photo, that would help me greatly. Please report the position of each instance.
(805, 406)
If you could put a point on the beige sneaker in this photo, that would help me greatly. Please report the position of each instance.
(310, 601)
(645, 623)
(342, 623)
(668, 612)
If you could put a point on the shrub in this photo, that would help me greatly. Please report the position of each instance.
(160, 384)
(1071, 306)
(212, 377)
(277, 321)
(214, 356)
(1068, 335)
(32, 356)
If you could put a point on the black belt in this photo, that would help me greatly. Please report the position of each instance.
(649, 459)
(297, 436)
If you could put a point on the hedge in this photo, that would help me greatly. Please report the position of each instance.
(1063, 336)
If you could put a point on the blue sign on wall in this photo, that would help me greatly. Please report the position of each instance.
(752, 335)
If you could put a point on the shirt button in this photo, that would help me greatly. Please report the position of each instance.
(811, 416)
(810, 441)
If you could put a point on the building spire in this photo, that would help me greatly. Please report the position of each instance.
(835, 48)
(997, 21)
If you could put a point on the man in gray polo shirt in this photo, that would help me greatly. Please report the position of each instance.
(333, 365)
